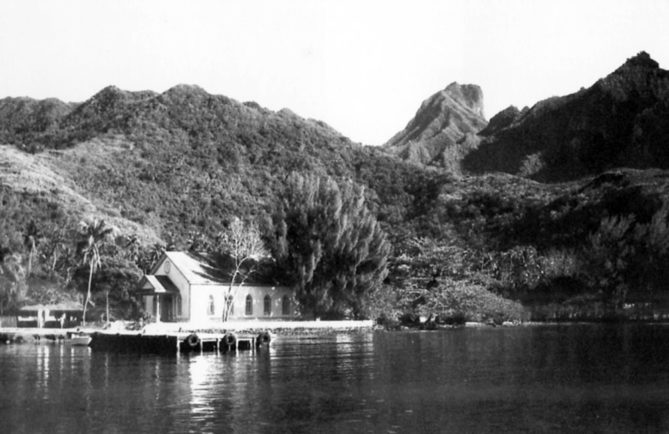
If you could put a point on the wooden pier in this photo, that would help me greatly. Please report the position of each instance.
(182, 342)
(135, 341)
(173, 338)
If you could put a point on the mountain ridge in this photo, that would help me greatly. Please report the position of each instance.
(176, 167)
(147, 156)
(619, 121)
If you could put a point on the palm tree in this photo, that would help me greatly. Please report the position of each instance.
(155, 253)
(57, 248)
(93, 235)
(131, 248)
(148, 256)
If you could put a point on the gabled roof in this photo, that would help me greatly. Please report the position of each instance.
(194, 269)
(197, 270)
(156, 285)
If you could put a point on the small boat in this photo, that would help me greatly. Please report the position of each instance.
(81, 341)
(78, 339)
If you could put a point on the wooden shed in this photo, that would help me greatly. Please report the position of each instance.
(58, 315)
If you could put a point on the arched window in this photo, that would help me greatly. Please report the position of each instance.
(230, 305)
(249, 305)
(267, 305)
(285, 305)
(211, 310)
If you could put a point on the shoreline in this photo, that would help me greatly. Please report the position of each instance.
(277, 328)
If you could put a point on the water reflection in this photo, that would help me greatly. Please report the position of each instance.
(577, 378)
(202, 370)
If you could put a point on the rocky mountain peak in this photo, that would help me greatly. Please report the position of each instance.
(444, 126)
(641, 60)
(501, 120)
(470, 95)
(639, 77)
(620, 121)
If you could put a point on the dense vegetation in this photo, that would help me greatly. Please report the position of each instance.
(184, 164)
(359, 232)
(329, 245)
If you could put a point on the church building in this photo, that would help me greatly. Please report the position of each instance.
(183, 287)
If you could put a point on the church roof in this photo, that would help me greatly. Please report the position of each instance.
(194, 269)
(197, 270)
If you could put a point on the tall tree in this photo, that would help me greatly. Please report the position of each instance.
(148, 256)
(325, 238)
(114, 282)
(131, 248)
(243, 246)
(57, 249)
(30, 238)
(12, 280)
(93, 235)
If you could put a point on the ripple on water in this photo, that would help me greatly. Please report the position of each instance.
(557, 378)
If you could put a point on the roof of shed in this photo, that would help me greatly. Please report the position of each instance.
(62, 306)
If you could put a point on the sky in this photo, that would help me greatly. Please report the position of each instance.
(361, 66)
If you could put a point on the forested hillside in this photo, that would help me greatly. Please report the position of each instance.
(620, 121)
(175, 169)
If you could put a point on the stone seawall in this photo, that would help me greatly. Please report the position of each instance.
(275, 327)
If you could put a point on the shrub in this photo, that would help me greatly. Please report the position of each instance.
(457, 300)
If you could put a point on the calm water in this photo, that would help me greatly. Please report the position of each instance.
(527, 379)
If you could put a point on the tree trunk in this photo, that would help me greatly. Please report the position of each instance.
(227, 306)
(30, 263)
(107, 305)
(55, 260)
(88, 293)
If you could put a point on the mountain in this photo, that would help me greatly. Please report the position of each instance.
(443, 129)
(622, 120)
(502, 120)
(165, 166)
(171, 169)
(176, 167)
(21, 119)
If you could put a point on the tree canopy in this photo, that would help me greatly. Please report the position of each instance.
(328, 244)
(242, 245)
(93, 234)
